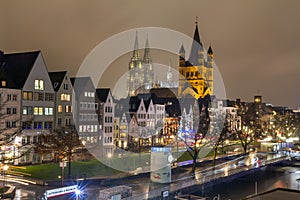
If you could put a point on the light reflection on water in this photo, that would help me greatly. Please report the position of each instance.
(267, 178)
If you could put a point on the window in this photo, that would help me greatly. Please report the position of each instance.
(9, 97)
(68, 122)
(48, 111)
(14, 110)
(8, 111)
(38, 96)
(13, 124)
(59, 108)
(67, 108)
(38, 111)
(65, 97)
(108, 109)
(49, 97)
(26, 125)
(3, 83)
(38, 84)
(8, 124)
(59, 121)
(108, 119)
(89, 94)
(66, 86)
(37, 125)
(14, 97)
(47, 125)
(27, 110)
(27, 95)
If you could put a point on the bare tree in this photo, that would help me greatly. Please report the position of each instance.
(194, 139)
(62, 143)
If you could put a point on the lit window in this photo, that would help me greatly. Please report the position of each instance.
(48, 111)
(27, 95)
(59, 108)
(3, 83)
(25, 112)
(67, 108)
(65, 97)
(38, 111)
(38, 84)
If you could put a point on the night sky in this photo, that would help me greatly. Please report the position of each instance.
(256, 43)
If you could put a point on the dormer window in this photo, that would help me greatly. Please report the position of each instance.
(39, 84)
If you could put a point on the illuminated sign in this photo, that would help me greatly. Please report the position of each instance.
(60, 191)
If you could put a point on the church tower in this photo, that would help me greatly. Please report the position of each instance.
(196, 76)
(135, 66)
(147, 67)
(141, 73)
(210, 69)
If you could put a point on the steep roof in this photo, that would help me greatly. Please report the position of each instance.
(196, 47)
(16, 67)
(102, 94)
(80, 84)
(57, 79)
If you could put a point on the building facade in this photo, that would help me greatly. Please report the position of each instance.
(196, 72)
(62, 85)
(141, 72)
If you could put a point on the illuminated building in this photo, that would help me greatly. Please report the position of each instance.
(196, 73)
(141, 73)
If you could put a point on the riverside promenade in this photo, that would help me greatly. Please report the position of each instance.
(223, 172)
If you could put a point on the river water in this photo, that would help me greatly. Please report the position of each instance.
(266, 178)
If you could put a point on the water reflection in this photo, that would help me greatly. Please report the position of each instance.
(267, 178)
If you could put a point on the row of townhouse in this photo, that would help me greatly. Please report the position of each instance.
(35, 102)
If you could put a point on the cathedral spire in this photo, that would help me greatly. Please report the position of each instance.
(147, 58)
(136, 47)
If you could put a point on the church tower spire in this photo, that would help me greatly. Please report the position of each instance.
(136, 47)
(196, 55)
(148, 71)
(135, 80)
(147, 57)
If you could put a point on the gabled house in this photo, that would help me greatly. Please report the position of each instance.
(85, 110)
(62, 85)
(27, 73)
(106, 111)
(146, 114)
